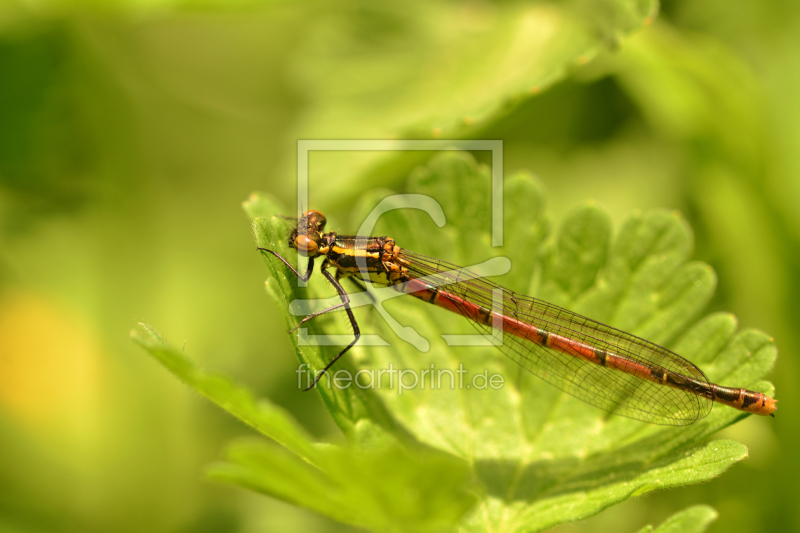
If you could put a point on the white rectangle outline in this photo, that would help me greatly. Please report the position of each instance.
(305, 146)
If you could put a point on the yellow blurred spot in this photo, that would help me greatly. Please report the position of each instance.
(436, 133)
(582, 60)
(535, 89)
(468, 121)
(49, 365)
(648, 21)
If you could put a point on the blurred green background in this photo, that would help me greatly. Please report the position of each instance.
(131, 133)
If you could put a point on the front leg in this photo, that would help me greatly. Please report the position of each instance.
(309, 270)
(346, 304)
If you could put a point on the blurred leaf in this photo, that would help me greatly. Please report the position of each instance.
(418, 70)
(540, 457)
(692, 520)
(386, 490)
(448, 69)
(261, 415)
(712, 95)
(424, 490)
(45, 148)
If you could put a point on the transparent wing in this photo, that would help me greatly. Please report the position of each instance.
(610, 389)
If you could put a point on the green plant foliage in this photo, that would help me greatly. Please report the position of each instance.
(423, 489)
(534, 456)
(509, 53)
(131, 129)
(692, 520)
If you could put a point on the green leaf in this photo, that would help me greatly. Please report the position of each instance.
(261, 415)
(450, 71)
(692, 520)
(539, 457)
(378, 488)
(361, 416)
(389, 490)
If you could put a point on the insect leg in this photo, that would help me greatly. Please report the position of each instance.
(356, 329)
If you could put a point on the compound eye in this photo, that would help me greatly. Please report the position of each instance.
(316, 220)
(305, 245)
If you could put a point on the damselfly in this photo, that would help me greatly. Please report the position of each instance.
(603, 366)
